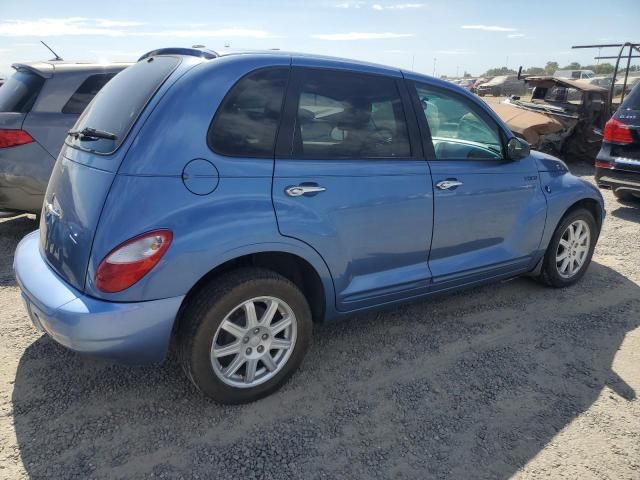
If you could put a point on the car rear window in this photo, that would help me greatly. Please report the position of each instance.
(85, 92)
(247, 120)
(632, 101)
(19, 93)
(119, 104)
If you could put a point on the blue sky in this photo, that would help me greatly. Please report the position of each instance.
(462, 35)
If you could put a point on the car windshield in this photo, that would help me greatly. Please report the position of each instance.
(118, 105)
(632, 101)
(560, 94)
(497, 80)
(20, 91)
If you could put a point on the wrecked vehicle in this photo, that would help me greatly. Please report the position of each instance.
(563, 116)
(501, 86)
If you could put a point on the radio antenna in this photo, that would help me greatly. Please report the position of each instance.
(58, 57)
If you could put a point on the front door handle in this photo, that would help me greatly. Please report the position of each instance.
(447, 184)
(303, 189)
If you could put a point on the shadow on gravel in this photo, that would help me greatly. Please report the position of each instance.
(629, 211)
(11, 232)
(471, 385)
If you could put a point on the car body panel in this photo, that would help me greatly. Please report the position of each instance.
(367, 237)
(527, 124)
(73, 204)
(618, 164)
(504, 216)
(130, 332)
(368, 263)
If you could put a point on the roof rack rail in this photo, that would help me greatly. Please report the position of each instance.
(194, 52)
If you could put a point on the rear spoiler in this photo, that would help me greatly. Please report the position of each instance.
(194, 52)
(44, 70)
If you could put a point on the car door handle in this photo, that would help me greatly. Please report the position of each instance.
(447, 184)
(298, 190)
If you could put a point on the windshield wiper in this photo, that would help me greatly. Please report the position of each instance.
(89, 133)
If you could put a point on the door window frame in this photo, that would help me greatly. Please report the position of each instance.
(287, 88)
(286, 132)
(427, 141)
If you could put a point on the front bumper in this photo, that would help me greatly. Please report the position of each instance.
(137, 332)
(618, 180)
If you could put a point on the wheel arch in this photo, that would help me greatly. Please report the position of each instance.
(309, 274)
(590, 204)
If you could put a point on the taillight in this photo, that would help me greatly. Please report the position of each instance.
(617, 132)
(603, 164)
(13, 138)
(129, 262)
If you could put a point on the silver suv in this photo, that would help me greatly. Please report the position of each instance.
(39, 103)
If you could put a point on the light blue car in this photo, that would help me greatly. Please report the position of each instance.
(225, 203)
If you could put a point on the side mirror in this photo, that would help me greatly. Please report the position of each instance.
(517, 149)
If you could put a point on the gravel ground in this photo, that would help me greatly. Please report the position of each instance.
(509, 380)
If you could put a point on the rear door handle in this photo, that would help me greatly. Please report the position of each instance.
(447, 184)
(298, 190)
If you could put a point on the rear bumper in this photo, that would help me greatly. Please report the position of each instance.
(137, 332)
(618, 180)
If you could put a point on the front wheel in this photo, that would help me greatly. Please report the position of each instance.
(569, 253)
(242, 336)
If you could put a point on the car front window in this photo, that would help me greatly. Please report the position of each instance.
(458, 131)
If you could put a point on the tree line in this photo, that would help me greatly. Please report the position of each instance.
(551, 67)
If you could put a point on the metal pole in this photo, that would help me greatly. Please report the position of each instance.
(626, 74)
(613, 81)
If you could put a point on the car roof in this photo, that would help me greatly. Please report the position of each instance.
(298, 58)
(546, 81)
(316, 58)
(47, 69)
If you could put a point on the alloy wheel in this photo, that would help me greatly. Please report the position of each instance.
(253, 342)
(573, 249)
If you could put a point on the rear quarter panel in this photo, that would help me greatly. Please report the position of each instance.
(148, 193)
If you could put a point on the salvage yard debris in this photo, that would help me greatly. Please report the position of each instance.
(563, 116)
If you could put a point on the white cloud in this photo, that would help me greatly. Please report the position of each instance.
(399, 6)
(51, 27)
(104, 23)
(223, 32)
(454, 52)
(355, 4)
(360, 36)
(515, 35)
(73, 26)
(489, 28)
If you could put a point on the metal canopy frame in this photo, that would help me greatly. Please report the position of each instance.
(631, 46)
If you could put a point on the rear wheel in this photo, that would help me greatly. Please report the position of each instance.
(569, 253)
(241, 337)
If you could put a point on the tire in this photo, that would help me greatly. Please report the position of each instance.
(223, 300)
(551, 273)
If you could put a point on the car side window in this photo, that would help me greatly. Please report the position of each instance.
(246, 122)
(85, 92)
(458, 132)
(349, 115)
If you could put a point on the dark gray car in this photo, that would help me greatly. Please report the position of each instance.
(39, 103)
